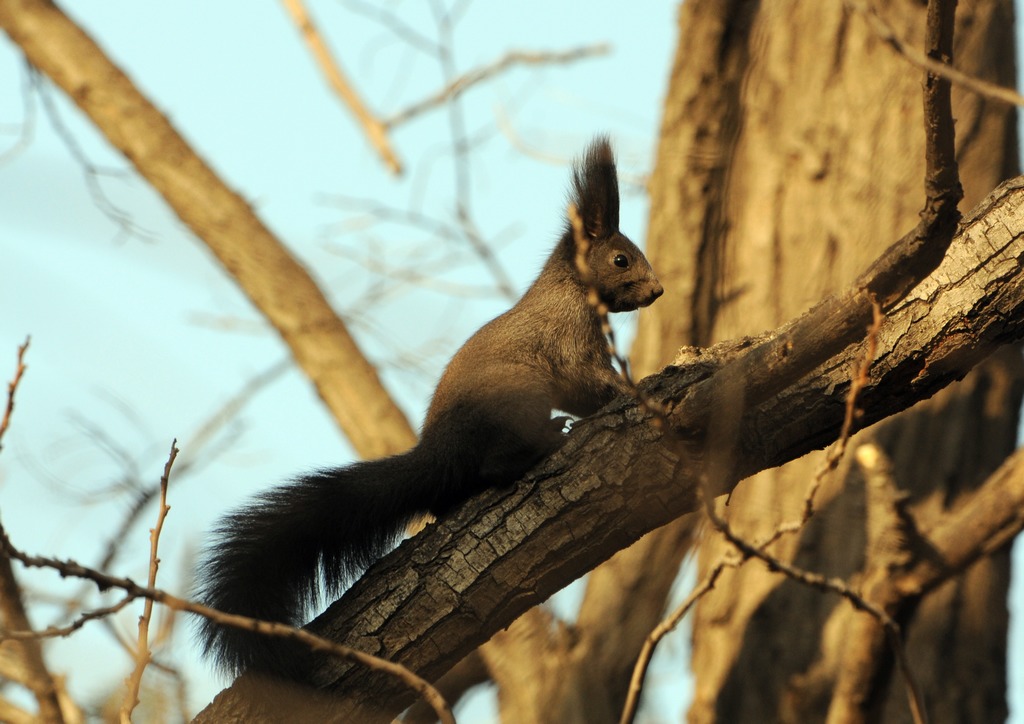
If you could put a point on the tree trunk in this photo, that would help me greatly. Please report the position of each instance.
(791, 155)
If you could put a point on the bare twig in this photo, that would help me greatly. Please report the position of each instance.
(837, 450)
(62, 631)
(831, 585)
(465, 230)
(400, 29)
(27, 127)
(459, 85)
(582, 246)
(887, 33)
(376, 132)
(461, 145)
(270, 628)
(126, 224)
(667, 625)
(12, 387)
(832, 458)
(628, 182)
(942, 177)
(199, 439)
(889, 549)
(12, 608)
(143, 654)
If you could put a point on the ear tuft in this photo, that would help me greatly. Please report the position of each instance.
(595, 189)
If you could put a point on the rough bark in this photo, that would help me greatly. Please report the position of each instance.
(448, 589)
(791, 151)
(744, 156)
(273, 280)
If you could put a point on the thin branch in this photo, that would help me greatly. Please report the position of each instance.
(457, 86)
(891, 538)
(63, 631)
(667, 625)
(403, 31)
(143, 654)
(12, 387)
(887, 33)
(376, 131)
(465, 231)
(105, 581)
(837, 450)
(582, 246)
(199, 440)
(126, 225)
(27, 127)
(461, 145)
(831, 585)
(12, 608)
(942, 178)
(628, 182)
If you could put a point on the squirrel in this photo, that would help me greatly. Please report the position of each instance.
(489, 421)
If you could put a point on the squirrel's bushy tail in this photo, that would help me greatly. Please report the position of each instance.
(268, 559)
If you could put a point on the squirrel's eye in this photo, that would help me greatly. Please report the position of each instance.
(620, 261)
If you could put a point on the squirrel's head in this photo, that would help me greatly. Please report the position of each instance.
(617, 268)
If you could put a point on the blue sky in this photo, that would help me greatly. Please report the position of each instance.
(138, 337)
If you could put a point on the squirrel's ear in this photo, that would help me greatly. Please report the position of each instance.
(595, 189)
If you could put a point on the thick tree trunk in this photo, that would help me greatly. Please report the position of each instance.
(791, 153)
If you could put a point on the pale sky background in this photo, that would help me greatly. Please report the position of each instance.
(138, 337)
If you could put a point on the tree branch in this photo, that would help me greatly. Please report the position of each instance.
(467, 80)
(376, 131)
(276, 283)
(446, 590)
(104, 581)
(142, 654)
(12, 387)
(930, 64)
(12, 608)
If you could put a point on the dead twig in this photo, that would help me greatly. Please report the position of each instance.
(831, 585)
(143, 654)
(12, 387)
(667, 625)
(887, 33)
(832, 458)
(457, 86)
(68, 568)
(200, 439)
(12, 608)
(62, 631)
(837, 450)
(376, 131)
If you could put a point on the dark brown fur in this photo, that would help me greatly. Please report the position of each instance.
(488, 423)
